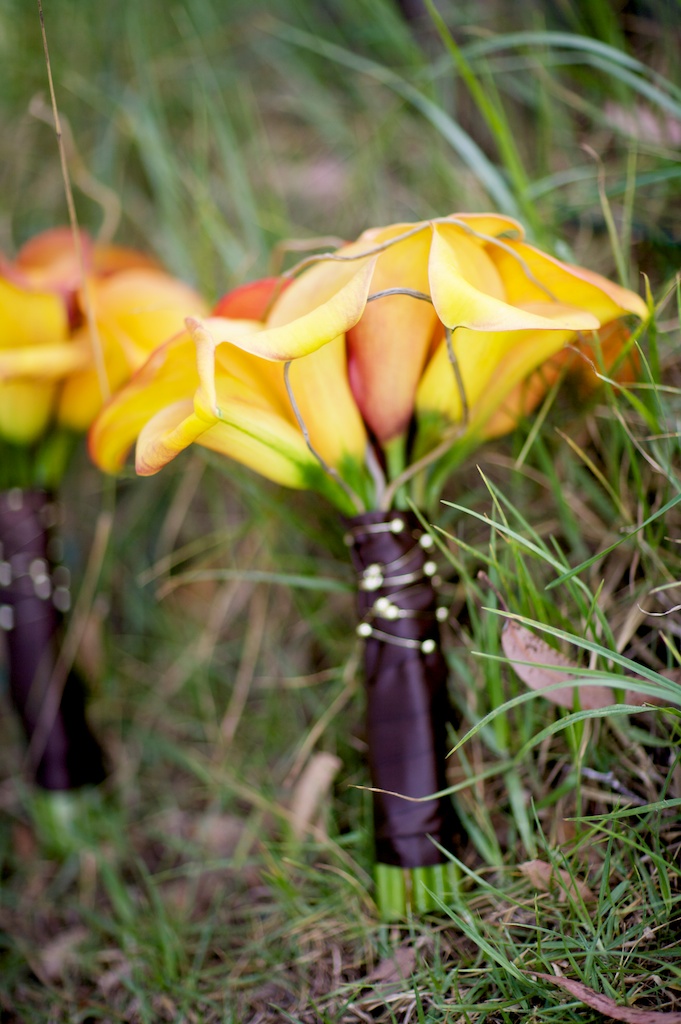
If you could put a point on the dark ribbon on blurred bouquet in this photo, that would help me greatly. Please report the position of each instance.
(406, 682)
(34, 596)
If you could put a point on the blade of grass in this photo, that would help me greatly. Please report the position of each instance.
(462, 143)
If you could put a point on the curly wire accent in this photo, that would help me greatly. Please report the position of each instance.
(454, 362)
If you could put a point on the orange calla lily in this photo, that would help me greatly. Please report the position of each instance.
(399, 338)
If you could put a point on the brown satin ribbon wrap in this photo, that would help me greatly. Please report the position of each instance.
(33, 594)
(406, 682)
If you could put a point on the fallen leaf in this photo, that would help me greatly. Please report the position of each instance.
(24, 841)
(393, 969)
(643, 123)
(110, 981)
(218, 834)
(608, 1007)
(311, 789)
(548, 878)
(215, 833)
(521, 645)
(60, 953)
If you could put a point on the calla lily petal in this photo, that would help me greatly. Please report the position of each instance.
(461, 304)
(387, 349)
(207, 335)
(523, 399)
(273, 464)
(532, 275)
(34, 353)
(319, 380)
(250, 301)
(51, 261)
(81, 395)
(142, 308)
(168, 376)
(43, 362)
(247, 432)
(320, 282)
(320, 387)
(582, 359)
(250, 432)
(318, 383)
(111, 259)
(25, 409)
(491, 364)
(488, 225)
(524, 353)
(471, 257)
(30, 318)
(310, 331)
(166, 434)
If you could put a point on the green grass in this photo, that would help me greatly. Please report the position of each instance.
(220, 645)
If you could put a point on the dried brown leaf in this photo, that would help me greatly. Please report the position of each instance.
(311, 789)
(642, 123)
(60, 953)
(395, 968)
(608, 1007)
(521, 645)
(219, 834)
(548, 878)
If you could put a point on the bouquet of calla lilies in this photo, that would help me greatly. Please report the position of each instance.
(76, 319)
(366, 374)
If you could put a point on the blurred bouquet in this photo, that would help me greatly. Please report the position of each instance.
(367, 374)
(76, 319)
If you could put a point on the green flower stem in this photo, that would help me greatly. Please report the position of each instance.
(39, 465)
(404, 891)
(396, 461)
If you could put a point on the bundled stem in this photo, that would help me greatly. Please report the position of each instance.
(407, 702)
(34, 594)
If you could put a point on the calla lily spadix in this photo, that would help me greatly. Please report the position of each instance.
(413, 335)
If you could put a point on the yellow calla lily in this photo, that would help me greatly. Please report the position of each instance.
(531, 275)
(480, 304)
(490, 365)
(582, 359)
(30, 318)
(252, 435)
(316, 341)
(34, 352)
(169, 376)
(46, 316)
(167, 405)
(293, 330)
(135, 311)
(25, 409)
